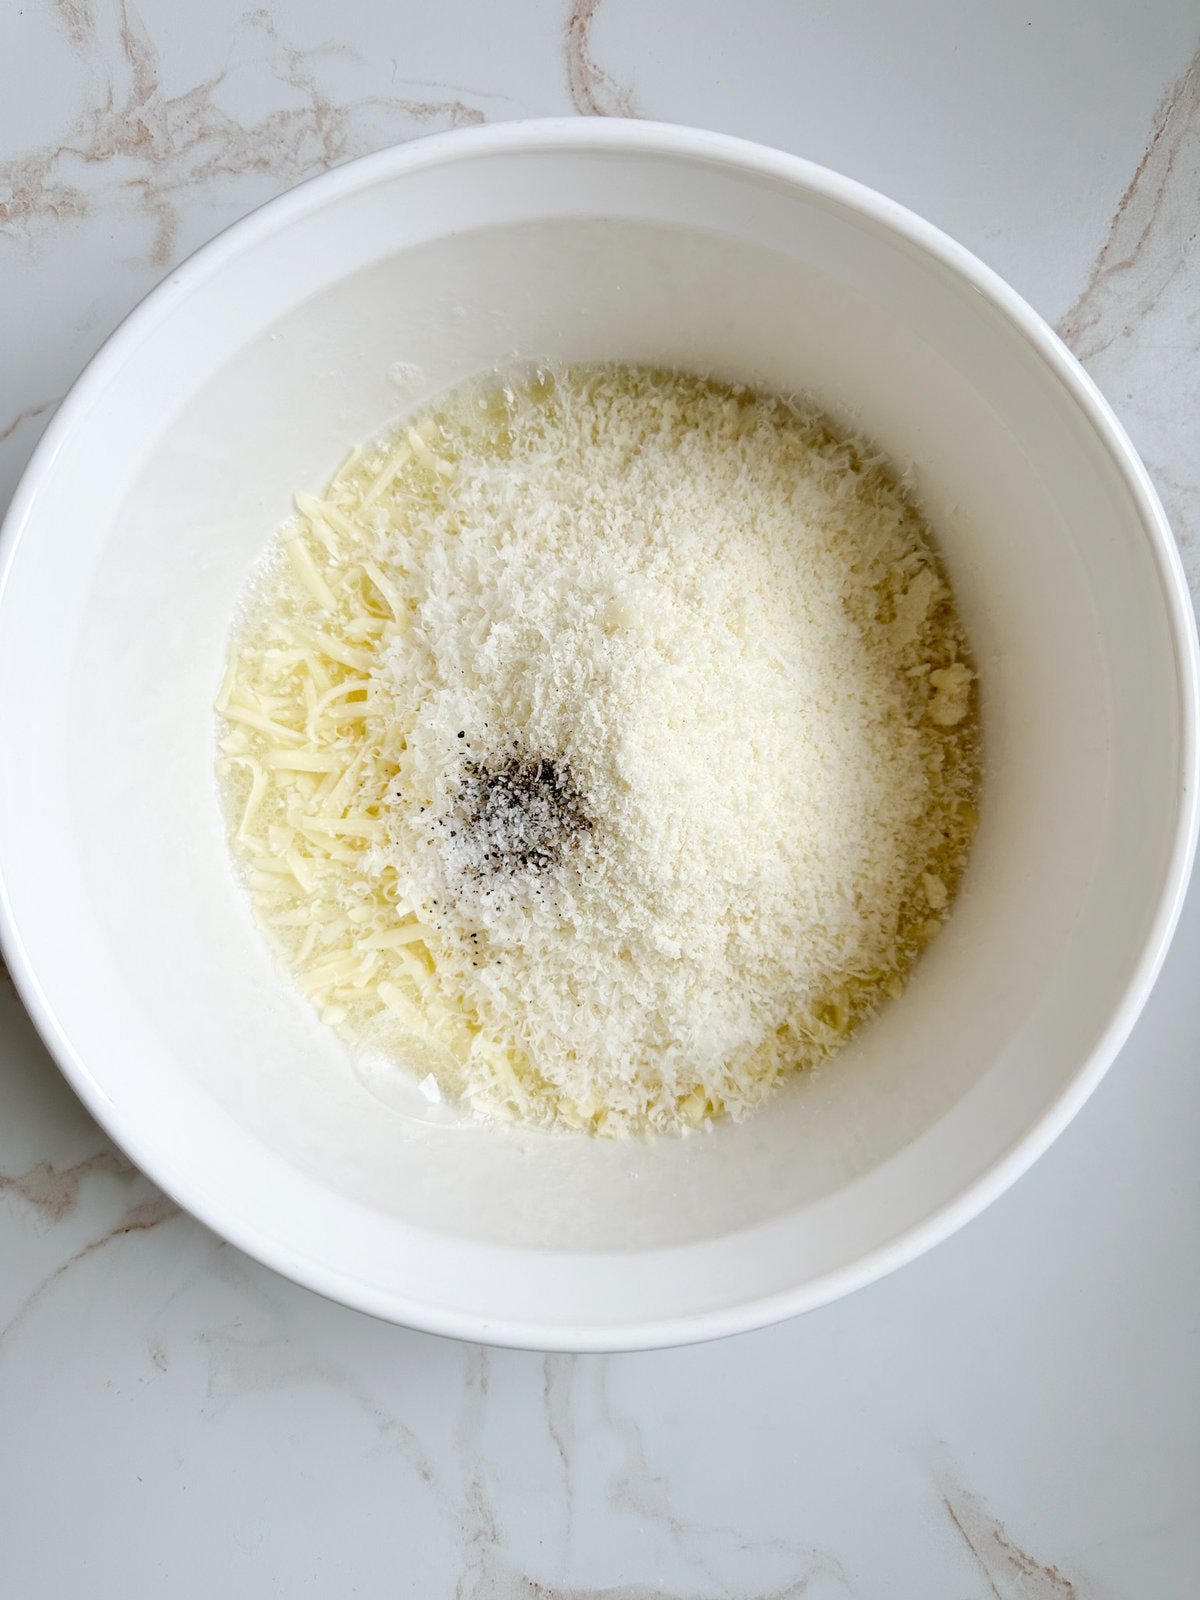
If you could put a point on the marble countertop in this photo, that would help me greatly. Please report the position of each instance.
(1014, 1417)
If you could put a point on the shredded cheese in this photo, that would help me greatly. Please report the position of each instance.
(603, 746)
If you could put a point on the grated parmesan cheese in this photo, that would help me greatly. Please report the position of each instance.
(602, 746)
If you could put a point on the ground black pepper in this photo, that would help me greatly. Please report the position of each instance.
(516, 814)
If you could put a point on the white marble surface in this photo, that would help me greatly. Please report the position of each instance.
(1017, 1416)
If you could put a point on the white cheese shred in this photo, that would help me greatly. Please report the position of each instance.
(602, 745)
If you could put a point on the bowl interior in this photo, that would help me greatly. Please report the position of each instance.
(309, 329)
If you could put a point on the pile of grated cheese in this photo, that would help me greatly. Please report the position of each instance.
(603, 746)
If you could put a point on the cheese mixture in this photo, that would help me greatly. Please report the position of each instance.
(602, 746)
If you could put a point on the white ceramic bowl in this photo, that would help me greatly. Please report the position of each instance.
(305, 328)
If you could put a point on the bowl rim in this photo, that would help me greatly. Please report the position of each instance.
(655, 139)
